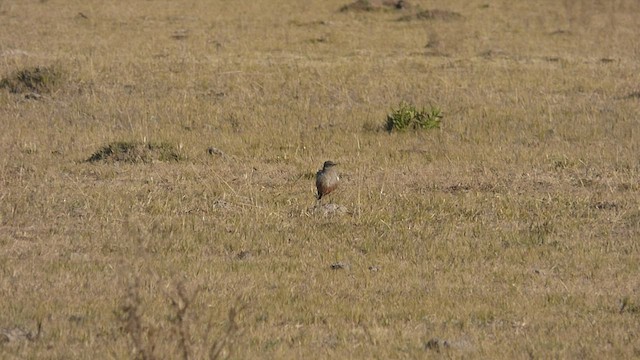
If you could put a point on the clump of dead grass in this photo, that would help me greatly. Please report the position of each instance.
(135, 152)
(39, 79)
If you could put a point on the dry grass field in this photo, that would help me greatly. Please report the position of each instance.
(157, 163)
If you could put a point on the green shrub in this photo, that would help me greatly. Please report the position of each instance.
(407, 116)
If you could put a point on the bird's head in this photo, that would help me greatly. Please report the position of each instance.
(328, 164)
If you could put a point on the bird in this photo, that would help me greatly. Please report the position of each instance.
(327, 179)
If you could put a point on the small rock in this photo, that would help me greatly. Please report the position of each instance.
(215, 151)
(339, 265)
(33, 96)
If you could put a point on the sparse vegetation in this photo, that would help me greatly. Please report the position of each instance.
(510, 232)
(407, 116)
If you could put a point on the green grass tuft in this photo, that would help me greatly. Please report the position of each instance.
(407, 116)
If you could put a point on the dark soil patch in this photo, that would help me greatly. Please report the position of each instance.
(135, 152)
(38, 80)
(431, 15)
(376, 5)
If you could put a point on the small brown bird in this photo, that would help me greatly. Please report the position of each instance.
(327, 179)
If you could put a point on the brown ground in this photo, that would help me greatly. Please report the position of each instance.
(510, 232)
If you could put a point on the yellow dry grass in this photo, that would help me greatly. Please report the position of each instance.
(510, 232)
